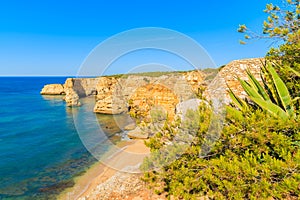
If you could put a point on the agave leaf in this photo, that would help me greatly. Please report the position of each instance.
(241, 104)
(267, 88)
(270, 84)
(251, 82)
(257, 85)
(281, 89)
(271, 108)
(249, 90)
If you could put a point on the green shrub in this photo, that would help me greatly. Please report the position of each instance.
(255, 158)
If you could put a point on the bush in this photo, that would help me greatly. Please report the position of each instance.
(255, 158)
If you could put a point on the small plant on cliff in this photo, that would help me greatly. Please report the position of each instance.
(272, 95)
(283, 24)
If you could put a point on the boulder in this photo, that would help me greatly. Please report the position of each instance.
(137, 133)
(218, 89)
(130, 127)
(53, 89)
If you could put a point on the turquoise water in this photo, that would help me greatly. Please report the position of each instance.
(40, 150)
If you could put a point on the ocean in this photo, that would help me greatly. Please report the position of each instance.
(40, 149)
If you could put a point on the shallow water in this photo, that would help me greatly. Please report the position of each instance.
(40, 149)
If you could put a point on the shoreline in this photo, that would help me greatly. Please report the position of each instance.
(118, 166)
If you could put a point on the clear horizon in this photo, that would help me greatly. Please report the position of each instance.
(53, 39)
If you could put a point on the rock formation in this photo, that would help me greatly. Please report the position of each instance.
(138, 93)
(76, 88)
(53, 89)
(115, 94)
(71, 98)
(137, 133)
(227, 78)
(108, 101)
(147, 96)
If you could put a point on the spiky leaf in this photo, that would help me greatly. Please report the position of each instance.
(281, 89)
(254, 82)
(252, 92)
(241, 104)
(271, 108)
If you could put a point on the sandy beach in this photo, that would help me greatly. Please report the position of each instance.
(116, 177)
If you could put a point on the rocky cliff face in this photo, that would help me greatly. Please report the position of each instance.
(137, 93)
(107, 101)
(76, 88)
(227, 78)
(153, 95)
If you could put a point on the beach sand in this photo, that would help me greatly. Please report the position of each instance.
(116, 177)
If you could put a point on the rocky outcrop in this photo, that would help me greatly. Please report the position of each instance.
(195, 79)
(227, 78)
(138, 93)
(53, 89)
(75, 88)
(108, 99)
(130, 127)
(153, 95)
(137, 133)
(71, 98)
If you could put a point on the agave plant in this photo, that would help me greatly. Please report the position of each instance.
(272, 95)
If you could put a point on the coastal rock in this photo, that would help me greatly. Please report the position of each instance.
(130, 127)
(85, 87)
(137, 133)
(138, 93)
(53, 89)
(151, 95)
(227, 78)
(76, 88)
(108, 101)
(71, 98)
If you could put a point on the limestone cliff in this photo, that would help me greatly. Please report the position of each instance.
(53, 89)
(227, 78)
(138, 93)
(107, 101)
(76, 88)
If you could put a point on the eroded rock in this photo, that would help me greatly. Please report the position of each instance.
(137, 133)
(227, 78)
(130, 127)
(53, 89)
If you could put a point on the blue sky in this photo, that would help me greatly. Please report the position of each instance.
(54, 37)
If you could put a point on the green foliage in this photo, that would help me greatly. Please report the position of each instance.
(273, 96)
(175, 137)
(257, 157)
(282, 24)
